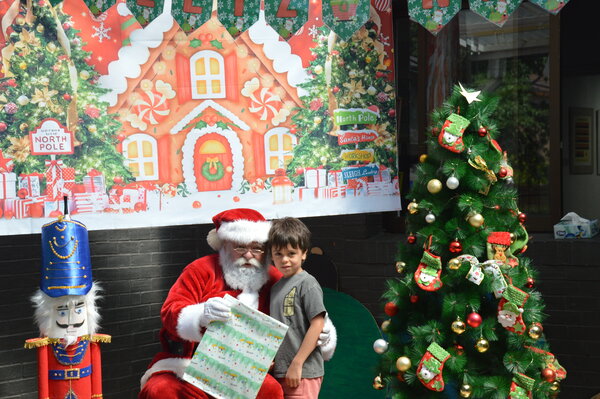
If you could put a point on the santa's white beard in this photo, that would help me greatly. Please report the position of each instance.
(240, 277)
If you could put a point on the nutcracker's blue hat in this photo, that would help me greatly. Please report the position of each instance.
(66, 262)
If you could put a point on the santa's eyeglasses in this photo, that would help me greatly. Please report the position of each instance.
(253, 251)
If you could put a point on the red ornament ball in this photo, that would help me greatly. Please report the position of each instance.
(335, 89)
(54, 214)
(67, 97)
(482, 131)
(455, 247)
(435, 131)
(414, 298)
(3, 126)
(22, 193)
(474, 319)
(411, 239)
(530, 282)
(548, 375)
(121, 137)
(236, 199)
(118, 179)
(502, 172)
(379, 74)
(36, 210)
(400, 376)
(9, 214)
(522, 217)
(390, 309)
(196, 204)
(139, 207)
(392, 112)
(459, 349)
(299, 171)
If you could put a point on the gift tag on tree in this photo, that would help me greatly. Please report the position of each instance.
(431, 366)
(475, 274)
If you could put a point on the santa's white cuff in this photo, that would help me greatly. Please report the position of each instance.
(188, 322)
(328, 348)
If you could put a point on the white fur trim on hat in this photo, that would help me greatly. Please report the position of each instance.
(243, 232)
(176, 365)
(188, 322)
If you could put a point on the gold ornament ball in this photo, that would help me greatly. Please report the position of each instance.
(476, 220)
(434, 186)
(368, 59)
(413, 208)
(92, 128)
(317, 120)
(454, 264)
(385, 325)
(378, 383)
(400, 266)
(535, 331)
(318, 69)
(84, 75)
(423, 158)
(403, 363)
(465, 391)
(482, 345)
(20, 20)
(555, 386)
(23, 65)
(40, 28)
(458, 326)
(51, 47)
(23, 126)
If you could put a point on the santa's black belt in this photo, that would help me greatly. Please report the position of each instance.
(70, 374)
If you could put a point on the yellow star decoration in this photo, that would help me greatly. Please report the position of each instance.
(470, 96)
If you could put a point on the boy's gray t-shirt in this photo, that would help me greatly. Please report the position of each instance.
(295, 301)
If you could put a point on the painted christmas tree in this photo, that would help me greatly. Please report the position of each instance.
(46, 76)
(465, 318)
(349, 109)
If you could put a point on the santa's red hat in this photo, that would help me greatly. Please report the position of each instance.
(241, 226)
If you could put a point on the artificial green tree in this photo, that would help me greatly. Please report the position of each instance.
(42, 80)
(465, 318)
(351, 74)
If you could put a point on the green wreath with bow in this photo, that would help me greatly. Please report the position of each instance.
(213, 169)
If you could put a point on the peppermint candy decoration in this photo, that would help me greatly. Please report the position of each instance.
(267, 103)
(383, 5)
(152, 107)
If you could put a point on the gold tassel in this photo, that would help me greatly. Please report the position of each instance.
(36, 343)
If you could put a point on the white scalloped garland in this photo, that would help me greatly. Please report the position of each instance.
(198, 110)
(187, 163)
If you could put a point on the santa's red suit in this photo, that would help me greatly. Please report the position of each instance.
(71, 372)
(200, 280)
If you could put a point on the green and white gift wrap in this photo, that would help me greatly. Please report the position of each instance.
(233, 357)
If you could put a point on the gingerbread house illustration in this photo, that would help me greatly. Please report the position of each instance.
(202, 108)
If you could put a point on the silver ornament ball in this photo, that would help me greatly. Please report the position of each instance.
(380, 346)
(430, 218)
(452, 183)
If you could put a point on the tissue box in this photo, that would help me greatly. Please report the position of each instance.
(572, 229)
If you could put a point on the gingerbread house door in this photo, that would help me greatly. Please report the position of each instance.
(213, 163)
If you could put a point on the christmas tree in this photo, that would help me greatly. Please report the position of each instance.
(46, 76)
(465, 317)
(346, 75)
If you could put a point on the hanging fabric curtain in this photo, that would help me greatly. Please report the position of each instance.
(553, 6)
(286, 16)
(238, 15)
(345, 17)
(191, 14)
(495, 11)
(433, 14)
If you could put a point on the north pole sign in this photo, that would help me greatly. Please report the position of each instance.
(51, 138)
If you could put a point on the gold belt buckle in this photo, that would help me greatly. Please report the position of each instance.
(71, 376)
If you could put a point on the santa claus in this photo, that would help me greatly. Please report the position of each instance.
(240, 269)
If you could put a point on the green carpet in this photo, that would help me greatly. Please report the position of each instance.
(350, 373)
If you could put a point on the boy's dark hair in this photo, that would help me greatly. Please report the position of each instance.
(290, 231)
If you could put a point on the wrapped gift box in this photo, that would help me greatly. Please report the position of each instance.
(51, 205)
(315, 177)
(90, 202)
(94, 182)
(383, 176)
(335, 178)
(8, 185)
(18, 207)
(305, 193)
(31, 183)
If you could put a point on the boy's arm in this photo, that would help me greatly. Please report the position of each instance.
(309, 343)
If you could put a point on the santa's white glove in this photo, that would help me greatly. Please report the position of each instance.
(327, 339)
(215, 309)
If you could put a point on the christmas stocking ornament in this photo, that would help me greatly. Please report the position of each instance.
(451, 135)
(521, 387)
(428, 273)
(510, 309)
(551, 363)
(498, 248)
(431, 367)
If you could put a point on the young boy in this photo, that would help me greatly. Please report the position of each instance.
(297, 301)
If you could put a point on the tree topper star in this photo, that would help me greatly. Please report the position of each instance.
(470, 96)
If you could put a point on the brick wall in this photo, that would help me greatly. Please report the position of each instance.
(137, 267)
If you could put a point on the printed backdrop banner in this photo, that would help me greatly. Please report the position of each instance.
(237, 16)
(433, 14)
(496, 11)
(171, 127)
(345, 17)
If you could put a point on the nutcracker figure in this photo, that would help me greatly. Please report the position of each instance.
(69, 365)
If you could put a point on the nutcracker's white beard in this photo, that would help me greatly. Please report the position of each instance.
(240, 277)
